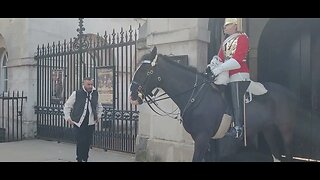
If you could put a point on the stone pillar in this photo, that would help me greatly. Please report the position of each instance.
(23, 77)
(21, 68)
(163, 138)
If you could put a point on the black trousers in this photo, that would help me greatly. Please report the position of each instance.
(238, 90)
(84, 135)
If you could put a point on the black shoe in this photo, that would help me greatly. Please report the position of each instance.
(231, 132)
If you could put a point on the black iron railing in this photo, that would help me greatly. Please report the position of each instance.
(11, 106)
(61, 68)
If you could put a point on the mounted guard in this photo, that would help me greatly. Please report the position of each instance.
(230, 67)
(202, 108)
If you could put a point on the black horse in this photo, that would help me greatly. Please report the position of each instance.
(202, 106)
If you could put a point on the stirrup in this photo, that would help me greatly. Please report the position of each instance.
(239, 132)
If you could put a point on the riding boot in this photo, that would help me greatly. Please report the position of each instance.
(227, 99)
(238, 90)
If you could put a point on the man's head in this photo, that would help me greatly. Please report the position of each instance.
(88, 84)
(230, 26)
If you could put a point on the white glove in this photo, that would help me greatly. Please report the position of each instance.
(222, 78)
(216, 71)
(215, 62)
(228, 65)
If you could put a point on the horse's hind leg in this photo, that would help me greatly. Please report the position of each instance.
(200, 146)
(272, 137)
(287, 137)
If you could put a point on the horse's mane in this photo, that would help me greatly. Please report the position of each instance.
(188, 68)
(167, 59)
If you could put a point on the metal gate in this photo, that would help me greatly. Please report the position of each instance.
(109, 59)
(11, 105)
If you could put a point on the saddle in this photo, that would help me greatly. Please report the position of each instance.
(254, 89)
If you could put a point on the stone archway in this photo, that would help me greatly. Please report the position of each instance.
(288, 53)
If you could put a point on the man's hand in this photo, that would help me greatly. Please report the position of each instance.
(70, 121)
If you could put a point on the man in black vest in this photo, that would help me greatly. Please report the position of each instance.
(83, 111)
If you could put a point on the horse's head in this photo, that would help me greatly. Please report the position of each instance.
(145, 79)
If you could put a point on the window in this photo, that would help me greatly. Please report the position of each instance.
(4, 72)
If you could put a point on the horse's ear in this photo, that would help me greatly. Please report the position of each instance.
(154, 51)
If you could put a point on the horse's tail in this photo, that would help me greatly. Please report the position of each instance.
(287, 103)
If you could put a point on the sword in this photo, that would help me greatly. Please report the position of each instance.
(244, 122)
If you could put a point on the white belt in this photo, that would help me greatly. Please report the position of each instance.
(240, 77)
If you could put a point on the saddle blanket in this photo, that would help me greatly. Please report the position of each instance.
(224, 127)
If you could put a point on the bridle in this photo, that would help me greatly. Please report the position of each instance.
(150, 72)
(152, 99)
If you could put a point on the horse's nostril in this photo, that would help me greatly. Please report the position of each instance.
(133, 98)
(135, 95)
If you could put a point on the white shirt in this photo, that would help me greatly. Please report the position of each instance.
(69, 105)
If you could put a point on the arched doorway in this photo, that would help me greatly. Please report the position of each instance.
(289, 54)
(3, 71)
(215, 26)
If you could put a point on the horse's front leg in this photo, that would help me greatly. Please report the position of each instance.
(201, 141)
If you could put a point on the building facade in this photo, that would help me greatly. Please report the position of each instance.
(281, 50)
(19, 39)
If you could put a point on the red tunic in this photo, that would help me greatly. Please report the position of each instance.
(241, 45)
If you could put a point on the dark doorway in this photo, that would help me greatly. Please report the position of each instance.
(216, 34)
(289, 54)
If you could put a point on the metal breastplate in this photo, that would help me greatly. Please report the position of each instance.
(230, 48)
